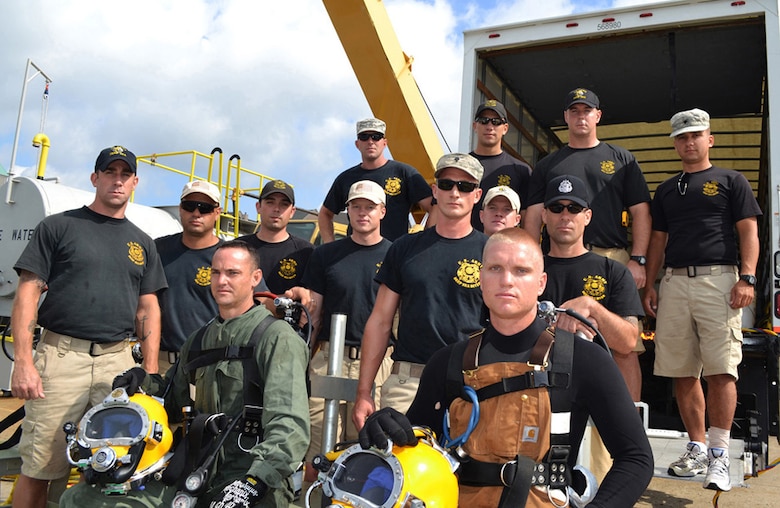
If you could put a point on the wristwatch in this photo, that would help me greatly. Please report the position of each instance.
(750, 279)
(639, 259)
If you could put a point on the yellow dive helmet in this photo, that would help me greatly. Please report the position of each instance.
(121, 441)
(400, 477)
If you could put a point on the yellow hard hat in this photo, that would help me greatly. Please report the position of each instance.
(121, 440)
(407, 477)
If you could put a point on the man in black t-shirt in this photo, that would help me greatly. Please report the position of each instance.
(698, 216)
(432, 279)
(615, 183)
(598, 288)
(340, 276)
(404, 186)
(501, 169)
(101, 275)
(283, 256)
(186, 259)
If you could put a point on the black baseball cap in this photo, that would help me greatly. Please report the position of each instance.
(279, 186)
(582, 96)
(566, 187)
(492, 105)
(115, 153)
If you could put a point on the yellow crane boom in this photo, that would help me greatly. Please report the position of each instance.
(385, 75)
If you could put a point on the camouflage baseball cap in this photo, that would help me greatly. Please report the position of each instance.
(371, 125)
(462, 161)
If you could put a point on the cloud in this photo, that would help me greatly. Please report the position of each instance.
(268, 81)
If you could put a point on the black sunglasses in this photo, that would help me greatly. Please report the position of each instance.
(682, 184)
(573, 208)
(484, 120)
(445, 184)
(376, 136)
(203, 208)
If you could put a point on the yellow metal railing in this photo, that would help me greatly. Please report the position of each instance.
(233, 181)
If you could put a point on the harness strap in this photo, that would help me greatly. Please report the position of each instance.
(9, 420)
(516, 476)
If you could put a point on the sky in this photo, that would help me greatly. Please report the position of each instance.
(268, 81)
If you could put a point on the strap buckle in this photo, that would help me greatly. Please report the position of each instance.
(513, 470)
(691, 271)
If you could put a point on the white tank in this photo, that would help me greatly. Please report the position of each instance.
(31, 201)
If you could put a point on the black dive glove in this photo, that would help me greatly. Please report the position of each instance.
(383, 423)
(130, 380)
(241, 494)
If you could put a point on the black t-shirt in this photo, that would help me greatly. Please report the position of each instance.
(596, 390)
(343, 273)
(607, 281)
(501, 169)
(282, 263)
(188, 304)
(614, 180)
(437, 279)
(701, 223)
(404, 186)
(96, 267)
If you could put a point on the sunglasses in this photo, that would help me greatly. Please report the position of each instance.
(573, 208)
(446, 185)
(682, 184)
(203, 208)
(364, 136)
(484, 120)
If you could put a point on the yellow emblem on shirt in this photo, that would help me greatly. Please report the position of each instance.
(468, 273)
(203, 277)
(136, 253)
(288, 268)
(505, 180)
(378, 266)
(595, 287)
(608, 167)
(710, 188)
(393, 186)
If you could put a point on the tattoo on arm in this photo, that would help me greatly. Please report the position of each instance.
(142, 333)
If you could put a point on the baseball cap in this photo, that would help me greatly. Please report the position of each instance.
(367, 189)
(492, 105)
(114, 153)
(566, 187)
(502, 190)
(693, 120)
(278, 186)
(582, 96)
(462, 161)
(206, 188)
(371, 125)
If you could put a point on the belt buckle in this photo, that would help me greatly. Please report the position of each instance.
(92, 349)
(354, 353)
(503, 470)
(691, 271)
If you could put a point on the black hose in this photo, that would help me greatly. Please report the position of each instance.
(601, 340)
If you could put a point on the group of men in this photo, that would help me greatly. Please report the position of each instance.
(411, 301)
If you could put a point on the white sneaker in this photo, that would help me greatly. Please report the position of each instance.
(690, 463)
(718, 470)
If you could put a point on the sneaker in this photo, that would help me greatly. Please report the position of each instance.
(718, 470)
(690, 463)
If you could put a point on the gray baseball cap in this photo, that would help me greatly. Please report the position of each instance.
(371, 125)
(693, 120)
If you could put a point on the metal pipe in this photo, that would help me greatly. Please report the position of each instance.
(330, 419)
(19, 121)
(42, 140)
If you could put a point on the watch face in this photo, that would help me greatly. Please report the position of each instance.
(750, 279)
(640, 259)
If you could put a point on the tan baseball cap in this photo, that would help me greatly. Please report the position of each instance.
(502, 190)
(205, 188)
(367, 189)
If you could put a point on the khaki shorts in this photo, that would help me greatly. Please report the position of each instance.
(350, 370)
(621, 256)
(696, 330)
(401, 386)
(73, 382)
